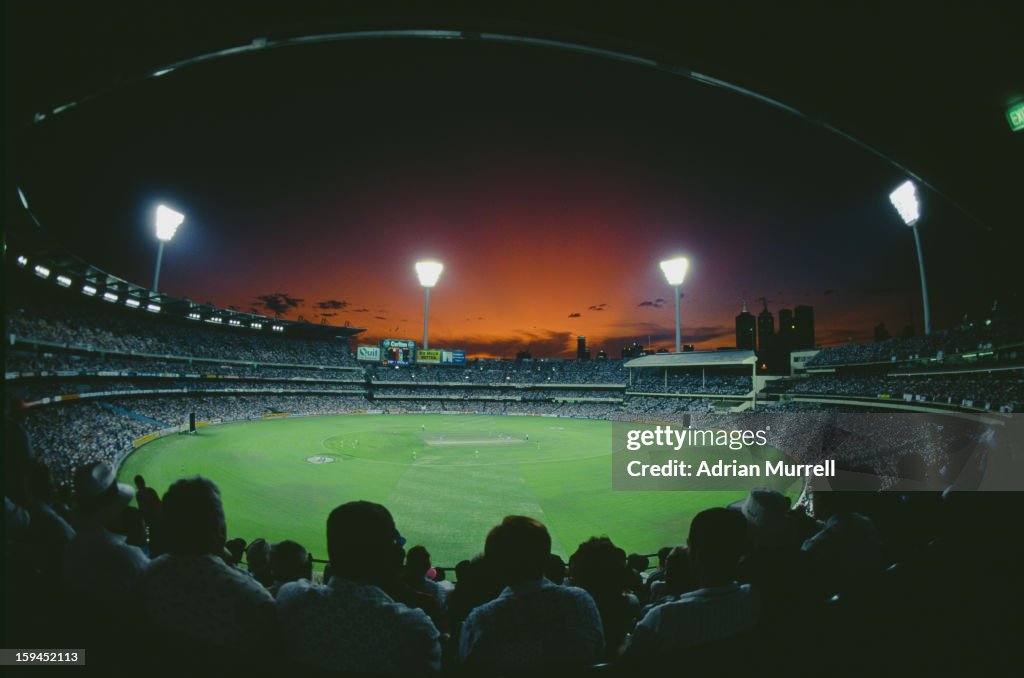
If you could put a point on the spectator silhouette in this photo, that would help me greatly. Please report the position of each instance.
(555, 570)
(351, 624)
(190, 593)
(534, 623)
(48, 531)
(721, 608)
(289, 561)
(417, 564)
(599, 568)
(415, 590)
(679, 577)
(257, 559)
(148, 502)
(98, 565)
(476, 584)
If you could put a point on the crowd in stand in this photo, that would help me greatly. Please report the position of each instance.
(484, 371)
(966, 338)
(124, 334)
(34, 390)
(581, 410)
(1001, 391)
(656, 405)
(487, 392)
(692, 383)
(32, 363)
(68, 438)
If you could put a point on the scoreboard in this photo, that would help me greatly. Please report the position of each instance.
(397, 351)
(403, 352)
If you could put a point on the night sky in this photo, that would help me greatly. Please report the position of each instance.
(549, 184)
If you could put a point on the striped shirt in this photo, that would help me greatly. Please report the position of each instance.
(696, 618)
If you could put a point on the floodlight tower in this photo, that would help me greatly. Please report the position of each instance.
(167, 222)
(675, 272)
(428, 273)
(904, 199)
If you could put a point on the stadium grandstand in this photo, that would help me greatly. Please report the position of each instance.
(191, 488)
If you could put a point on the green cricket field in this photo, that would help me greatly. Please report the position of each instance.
(447, 479)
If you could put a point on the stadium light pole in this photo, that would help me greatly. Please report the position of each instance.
(675, 272)
(904, 199)
(167, 222)
(428, 273)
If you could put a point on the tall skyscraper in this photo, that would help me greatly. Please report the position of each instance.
(581, 349)
(787, 330)
(804, 321)
(746, 329)
(765, 330)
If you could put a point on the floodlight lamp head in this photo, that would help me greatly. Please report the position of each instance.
(904, 199)
(675, 270)
(428, 272)
(167, 222)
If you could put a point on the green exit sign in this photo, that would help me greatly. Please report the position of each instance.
(1015, 115)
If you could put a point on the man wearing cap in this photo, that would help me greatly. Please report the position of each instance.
(98, 564)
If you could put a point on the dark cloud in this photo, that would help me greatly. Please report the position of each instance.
(597, 307)
(575, 315)
(360, 310)
(657, 303)
(540, 342)
(327, 315)
(278, 303)
(332, 304)
(379, 317)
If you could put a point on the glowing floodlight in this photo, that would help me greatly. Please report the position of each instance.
(429, 272)
(675, 272)
(904, 199)
(167, 222)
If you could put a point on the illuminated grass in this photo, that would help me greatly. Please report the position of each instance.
(446, 496)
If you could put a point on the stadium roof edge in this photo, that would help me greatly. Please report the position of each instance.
(694, 359)
(72, 271)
